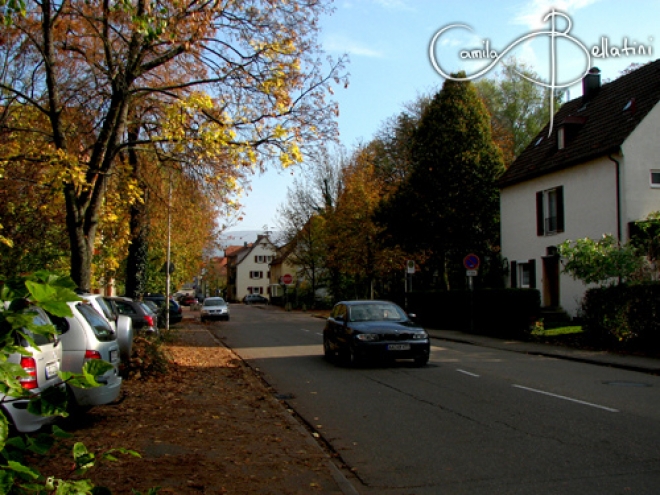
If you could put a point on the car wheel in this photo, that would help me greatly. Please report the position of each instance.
(328, 353)
(421, 361)
(354, 358)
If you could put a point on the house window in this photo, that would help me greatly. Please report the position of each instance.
(561, 138)
(256, 274)
(655, 178)
(523, 274)
(550, 211)
(259, 259)
(255, 290)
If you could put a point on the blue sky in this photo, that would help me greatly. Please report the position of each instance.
(388, 45)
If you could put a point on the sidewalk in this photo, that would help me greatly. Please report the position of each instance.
(603, 358)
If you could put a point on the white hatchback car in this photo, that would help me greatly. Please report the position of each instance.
(42, 366)
(85, 336)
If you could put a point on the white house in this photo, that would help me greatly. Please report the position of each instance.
(597, 173)
(248, 268)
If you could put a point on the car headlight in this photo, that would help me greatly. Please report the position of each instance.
(367, 337)
(420, 336)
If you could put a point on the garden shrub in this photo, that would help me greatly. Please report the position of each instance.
(627, 314)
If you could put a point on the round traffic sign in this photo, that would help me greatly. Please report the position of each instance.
(287, 278)
(471, 262)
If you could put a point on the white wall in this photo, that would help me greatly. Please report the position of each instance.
(641, 153)
(589, 211)
(243, 280)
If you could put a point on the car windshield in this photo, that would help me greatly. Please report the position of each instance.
(376, 312)
(214, 302)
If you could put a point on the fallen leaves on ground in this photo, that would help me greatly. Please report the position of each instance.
(209, 426)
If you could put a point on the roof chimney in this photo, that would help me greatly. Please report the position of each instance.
(590, 84)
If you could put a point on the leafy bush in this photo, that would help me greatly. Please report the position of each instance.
(628, 314)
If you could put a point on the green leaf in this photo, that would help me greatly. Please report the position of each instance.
(41, 444)
(60, 433)
(23, 471)
(6, 481)
(51, 402)
(4, 430)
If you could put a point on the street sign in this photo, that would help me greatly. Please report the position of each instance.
(471, 262)
(471, 273)
(287, 279)
(410, 266)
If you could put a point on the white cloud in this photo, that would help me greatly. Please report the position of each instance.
(531, 14)
(393, 4)
(344, 44)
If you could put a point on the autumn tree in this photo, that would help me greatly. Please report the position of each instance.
(310, 200)
(353, 237)
(216, 85)
(449, 205)
(519, 107)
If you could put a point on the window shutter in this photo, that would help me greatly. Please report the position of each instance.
(514, 274)
(540, 220)
(532, 274)
(560, 209)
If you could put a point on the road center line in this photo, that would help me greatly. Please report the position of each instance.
(567, 398)
(467, 373)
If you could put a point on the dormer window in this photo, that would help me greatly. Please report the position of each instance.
(561, 138)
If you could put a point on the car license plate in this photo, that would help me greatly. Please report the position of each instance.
(398, 347)
(113, 355)
(51, 370)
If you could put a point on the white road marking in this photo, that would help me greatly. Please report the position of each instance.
(567, 398)
(467, 373)
(305, 330)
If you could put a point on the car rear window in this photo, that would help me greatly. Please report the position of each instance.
(40, 319)
(100, 326)
(124, 308)
(214, 302)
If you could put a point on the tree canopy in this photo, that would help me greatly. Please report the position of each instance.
(203, 89)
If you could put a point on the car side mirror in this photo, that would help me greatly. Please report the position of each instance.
(412, 316)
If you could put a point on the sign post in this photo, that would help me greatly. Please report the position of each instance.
(471, 263)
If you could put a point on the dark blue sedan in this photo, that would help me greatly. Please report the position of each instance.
(357, 330)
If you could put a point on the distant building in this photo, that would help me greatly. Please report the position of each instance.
(248, 268)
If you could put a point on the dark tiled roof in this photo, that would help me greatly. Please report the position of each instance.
(598, 129)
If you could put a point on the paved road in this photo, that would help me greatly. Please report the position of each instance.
(476, 420)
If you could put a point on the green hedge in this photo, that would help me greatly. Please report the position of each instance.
(623, 314)
(494, 312)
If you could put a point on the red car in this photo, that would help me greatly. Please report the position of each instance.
(188, 300)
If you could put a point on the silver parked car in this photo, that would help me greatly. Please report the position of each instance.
(42, 365)
(214, 308)
(122, 325)
(87, 335)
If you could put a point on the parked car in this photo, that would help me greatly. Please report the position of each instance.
(356, 330)
(255, 299)
(176, 313)
(87, 335)
(145, 319)
(214, 308)
(122, 325)
(188, 300)
(42, 364)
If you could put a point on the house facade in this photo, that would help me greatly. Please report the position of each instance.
(248, 268)
(597, 173)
